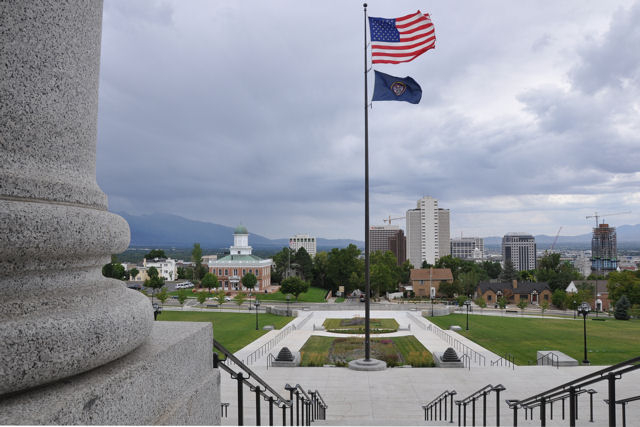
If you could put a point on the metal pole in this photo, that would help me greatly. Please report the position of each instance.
(468, 321)
(585, 361)
(611, 378)
(515, 415)
(291, 407)
(624, 414)
(464, 414)
(572, 406)
(240, 378)
(297, 408)
(257, 391)
(590, 407)
(257, 305)
(284, 414)
(484, 409)
(270, 410)
(543, 415)
(473, 412)
(498, 408)
(367, 344)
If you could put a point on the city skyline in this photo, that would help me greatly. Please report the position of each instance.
(252, 113)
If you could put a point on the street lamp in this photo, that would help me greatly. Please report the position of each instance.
(432, 306)
(288, 301)
(257, 304)
(468, 304)
(575, 309)
(157, 309)
(584, 309)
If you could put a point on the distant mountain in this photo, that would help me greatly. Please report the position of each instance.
(166, 230)
(625, 234)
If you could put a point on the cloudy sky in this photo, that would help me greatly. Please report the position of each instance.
(252, 112)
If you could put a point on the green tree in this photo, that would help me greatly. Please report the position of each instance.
(469, 281)
(509, 273)
(239, 298)
(185, 273)
(449, 289)
(182, 296)
(559, 299)
(196, 257)
(294, 286)
(220, 298)
(544, 306)
(320, 262)
(163, 295)
(210, 281)
(385, 273)
(405, 272)
(480, 302)
(493, 269)
(461, 299)
(341, 263)
(527, 275)
(622, 308)
(305, 264)
(282, 261)
(556, 273)
(114, 270)
(624, 283)
(522, 304)
(249, 281)
(502, 303)
(202, 297)
(425, 264)
(155, 253)
(154, 281)
(133, 273)
(276, 275)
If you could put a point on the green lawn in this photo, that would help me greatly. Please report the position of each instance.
(232, 330)
(608, 342)
(356, 325)
(396, 351)
(313, 295)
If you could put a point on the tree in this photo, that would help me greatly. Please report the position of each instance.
(202, 297)
(294, 286)
(249, 281)
(559, 299)
(622, 308)
(522, 304)
(544, 306)
(320, 262)
(557, 274)
(449, 289)
(220, 298)
(624, 283)
(276, 275)
(133, 273)
(182, 296)
(385, 273)
(502, 303)
(163, 295)
(185, 273)
(405, 272)
(305, 264)
(341, 263)
(425, 264)
(114, 270)
(480, 302)
(527, 275)
(155, 253)
(154, 281)
(461, 299)
(469, 281)
(509, 273)
(209, 281)
(493, 269)
(196, 257)
(239, 298)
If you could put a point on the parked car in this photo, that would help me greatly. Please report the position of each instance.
(184, 285)
(227, 298)
(135, 287)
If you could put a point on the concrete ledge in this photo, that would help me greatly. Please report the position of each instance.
(555, 358)
(167, 380)
(367, 365)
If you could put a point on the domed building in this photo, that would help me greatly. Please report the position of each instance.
(231, 268)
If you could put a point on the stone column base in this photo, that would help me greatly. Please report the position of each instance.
(167, 380)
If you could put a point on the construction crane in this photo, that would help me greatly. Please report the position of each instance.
(393, 219)
(556, 239)
(596, 216)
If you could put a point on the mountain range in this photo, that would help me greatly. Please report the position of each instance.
(166, 230)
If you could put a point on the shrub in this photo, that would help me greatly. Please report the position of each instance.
(622, 308)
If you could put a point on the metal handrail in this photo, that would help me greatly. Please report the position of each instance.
(508, 359)
(552, 356)
(482, 392)
(414, 318)
(318, 396)
(457, 344)
(253, 357)
(433, 409)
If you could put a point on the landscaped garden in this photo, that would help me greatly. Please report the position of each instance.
(232, 330)
(356, 325)
(312, 295)
(608, 342)
(396, 351)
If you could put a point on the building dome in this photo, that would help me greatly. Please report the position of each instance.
(241, 229)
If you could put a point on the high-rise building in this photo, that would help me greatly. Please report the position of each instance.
(444, 232)
(468, 248)
(520, 249)
(604, 249)
(303, 241)
(388, 238)
(424, 234)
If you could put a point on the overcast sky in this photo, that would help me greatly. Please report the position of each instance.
(252, 112)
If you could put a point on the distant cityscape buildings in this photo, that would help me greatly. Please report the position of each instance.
(303, 241)
(604, 249)
(468, 248)
(426, 226)
(520, 249)
(388, 238)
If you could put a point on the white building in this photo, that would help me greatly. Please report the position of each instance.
(468, 248)
(303, 241)
(423, 232)
(520, 249)
(166, 267)
(232, 268)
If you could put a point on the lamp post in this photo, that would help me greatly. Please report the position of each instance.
(257, 304)
(157, 309)
(584, 309)
(432, 306)
(575, 309)
(288, 301)
(468, 304)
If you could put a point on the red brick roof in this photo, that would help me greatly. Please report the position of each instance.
(435, 274)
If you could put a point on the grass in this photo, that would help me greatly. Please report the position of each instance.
(340, 299)
(356, 325)
(396, 351)
(232, 330)
(608, 342)
(313, 295)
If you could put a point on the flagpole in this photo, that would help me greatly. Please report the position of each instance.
(367, 344)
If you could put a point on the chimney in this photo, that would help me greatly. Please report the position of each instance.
(515, 284)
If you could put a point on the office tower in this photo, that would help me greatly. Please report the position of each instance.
(398, 245)
(520, 249)
(423, 232)
(303, 241)
(444, 233)
(388, 238)
(604, 249)
(468, 248)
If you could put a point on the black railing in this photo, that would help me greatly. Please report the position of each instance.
(572, 389)
(309, 406)
(224, 409)
(262, 390)
(433, 410)
(551, 356)
(624, 402)
(471, 399)
(507, 360)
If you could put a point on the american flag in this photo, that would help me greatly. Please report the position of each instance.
(401, 39)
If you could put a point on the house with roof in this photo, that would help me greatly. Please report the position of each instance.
(425, 282)
(231, 268)
(534, 293)
(601, 292)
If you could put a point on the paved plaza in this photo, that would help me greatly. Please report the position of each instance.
(394, 396)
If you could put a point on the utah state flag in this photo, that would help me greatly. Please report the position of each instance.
(390, 88)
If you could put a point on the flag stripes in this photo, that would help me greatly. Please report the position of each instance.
(402, 39)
